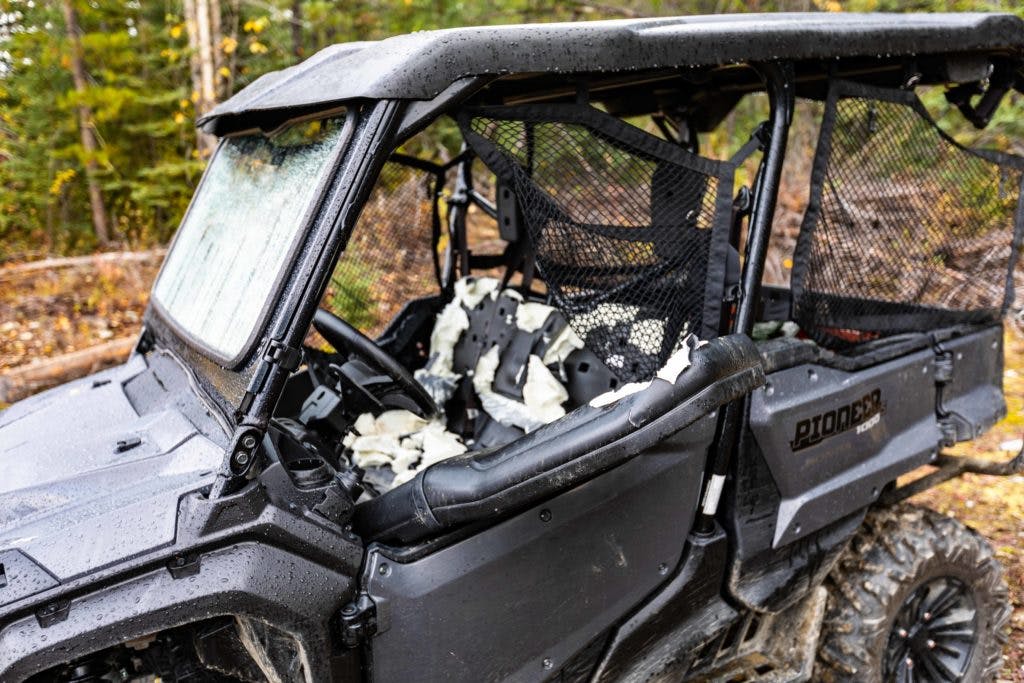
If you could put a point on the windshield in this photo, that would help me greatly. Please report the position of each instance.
(235, 240)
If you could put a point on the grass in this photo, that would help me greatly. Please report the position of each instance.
(350, 296)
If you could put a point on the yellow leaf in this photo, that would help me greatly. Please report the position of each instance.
(61, 179)
(256, 25)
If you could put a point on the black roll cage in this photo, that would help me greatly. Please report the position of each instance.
(387, 124)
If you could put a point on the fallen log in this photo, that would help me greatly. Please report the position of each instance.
(25, 380)
(7, 272)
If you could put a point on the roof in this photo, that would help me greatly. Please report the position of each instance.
(420, 65)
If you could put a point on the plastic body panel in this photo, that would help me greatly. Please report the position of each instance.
(662, 638)
(882, 422)
(106, 533)
(251, 579)
(516, 601)
(974, 393)
(89, 479)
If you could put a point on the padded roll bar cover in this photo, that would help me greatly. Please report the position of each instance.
(485, 484)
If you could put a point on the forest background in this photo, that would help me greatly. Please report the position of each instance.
(98, 98)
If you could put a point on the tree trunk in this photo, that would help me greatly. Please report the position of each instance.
(193, 48)
(201, 67)
(216, 43)
(236, 14)
(296, 22)
(89, 146)
(208, 92)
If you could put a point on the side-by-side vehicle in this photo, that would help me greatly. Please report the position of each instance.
(568, 399)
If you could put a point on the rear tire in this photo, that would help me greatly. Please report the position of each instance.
(917, 596)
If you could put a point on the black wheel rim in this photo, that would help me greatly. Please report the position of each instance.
(934, 634)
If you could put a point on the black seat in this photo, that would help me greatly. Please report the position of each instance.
(493, 323)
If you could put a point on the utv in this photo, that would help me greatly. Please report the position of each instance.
(542, 407)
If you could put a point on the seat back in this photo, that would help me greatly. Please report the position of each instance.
(630, 232)
(515, 365)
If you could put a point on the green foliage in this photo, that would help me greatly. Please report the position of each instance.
(139, 90)
(350, 295)
(145, 157)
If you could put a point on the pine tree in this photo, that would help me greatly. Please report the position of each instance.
(76, 62)
(111, 106)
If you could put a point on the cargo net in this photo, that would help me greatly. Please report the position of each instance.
(389, 258)
(906, 230)
(623, 226)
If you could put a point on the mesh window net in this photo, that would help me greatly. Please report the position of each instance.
(906, 231)
(388, 260)
(629, 232)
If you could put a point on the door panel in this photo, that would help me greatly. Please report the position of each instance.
(834, 439)
(518, 600)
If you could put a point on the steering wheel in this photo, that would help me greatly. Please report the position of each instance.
(344, 337)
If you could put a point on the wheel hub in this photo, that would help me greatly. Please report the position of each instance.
(934, 633)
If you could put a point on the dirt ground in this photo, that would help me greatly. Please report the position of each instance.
(51, 311)
(995, 505)
(72, 305)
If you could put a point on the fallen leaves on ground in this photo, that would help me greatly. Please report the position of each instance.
(46, 313)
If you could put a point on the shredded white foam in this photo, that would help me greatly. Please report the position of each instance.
(564, 344)
(472, 290)
(676, 364)
(531, 315)
(542, 394)
(402, 441)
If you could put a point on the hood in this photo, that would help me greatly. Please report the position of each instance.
(91, 472)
